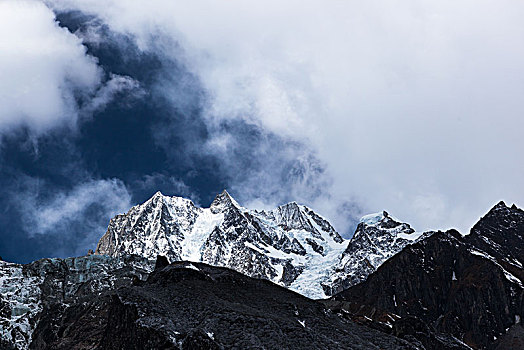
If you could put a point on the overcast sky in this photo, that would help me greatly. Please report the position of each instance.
(350, 107)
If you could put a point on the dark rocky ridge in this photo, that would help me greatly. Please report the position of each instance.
(196, 306)
(469, 287)
(500, 233)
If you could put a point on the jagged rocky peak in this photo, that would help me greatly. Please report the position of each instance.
(157, 196)
(290, 216)
(224, 201)
(286, 245)
(378, 237)
(499, 216)
(152, 228)
(469, 287)
(451, 284)
(500, 234)
(293, 216)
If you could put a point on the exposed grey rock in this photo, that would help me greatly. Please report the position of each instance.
(469, 287)
(197, 306)
(26, 289)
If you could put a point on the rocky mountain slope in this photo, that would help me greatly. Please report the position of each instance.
(196, 306)
(396, 288)
(468, 286)
(290, 245)
(25, 290)
(377, 238)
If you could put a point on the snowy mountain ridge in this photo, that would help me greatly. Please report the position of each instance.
(290, 245)
(377, 238)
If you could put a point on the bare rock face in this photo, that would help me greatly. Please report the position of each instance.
(500, 234)
(197, 306)
(469, 287)
(153, 228)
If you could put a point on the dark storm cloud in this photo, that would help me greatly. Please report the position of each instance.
(257, 165)
(260, 166)
(51, 204)
(63, 182)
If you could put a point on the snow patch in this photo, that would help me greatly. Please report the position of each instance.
(202, 228)
(192, 267)
(509, 276)
(410, 236)
(372, 219)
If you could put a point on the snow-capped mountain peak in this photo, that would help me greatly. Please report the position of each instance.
(375, 218)
(378, 237)
(288, 244)
(224, 201)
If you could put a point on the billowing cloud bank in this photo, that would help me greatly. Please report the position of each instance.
(41, 68)
(415, 107)
(412, 106)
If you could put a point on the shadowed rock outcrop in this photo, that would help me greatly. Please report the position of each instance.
(196, 306)
(469, 287)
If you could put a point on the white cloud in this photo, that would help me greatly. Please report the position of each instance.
(415, 107)
(82, 212)
(44, 68)
(107, 92)
(41, 66)
(110, 194)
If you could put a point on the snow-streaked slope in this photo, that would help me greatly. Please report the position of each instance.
(20, 304)
(192, 243)
(318, 271)
(26, 289)
(290, 245)
(378, 237)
